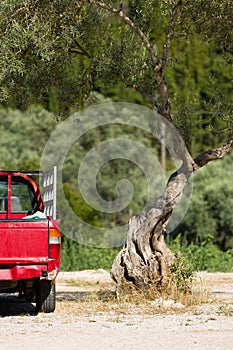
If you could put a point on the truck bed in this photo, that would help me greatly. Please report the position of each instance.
(22, 242)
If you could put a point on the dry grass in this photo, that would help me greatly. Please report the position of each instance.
(95, 298)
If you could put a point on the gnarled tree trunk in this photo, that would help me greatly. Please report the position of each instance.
(145, 260)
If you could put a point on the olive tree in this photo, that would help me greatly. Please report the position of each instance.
(117, 41)
(145, 258)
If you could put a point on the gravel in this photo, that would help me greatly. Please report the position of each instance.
(207, 326)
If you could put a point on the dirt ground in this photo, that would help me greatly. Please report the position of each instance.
(83, 321)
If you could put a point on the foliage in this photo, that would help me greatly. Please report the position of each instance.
(190, 258)
(32, 32)
(77, 257)
(23, 137)
(213, 19)
(200, 87)
(183, 269)
(203, 257)
(210, 210)
(58, 52)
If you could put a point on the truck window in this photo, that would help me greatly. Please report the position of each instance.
(3, 196)
(21, 197)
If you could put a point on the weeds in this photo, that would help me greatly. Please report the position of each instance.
(104, 301)
(226, 310)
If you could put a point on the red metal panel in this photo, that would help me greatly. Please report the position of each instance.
(17, 272)
(23, 241)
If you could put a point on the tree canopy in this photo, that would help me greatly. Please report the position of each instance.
(61, 51)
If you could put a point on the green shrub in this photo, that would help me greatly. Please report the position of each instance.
(76, 257)
(190, 257)
(204, 257)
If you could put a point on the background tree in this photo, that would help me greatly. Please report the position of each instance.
(38, 38)
(24, 136)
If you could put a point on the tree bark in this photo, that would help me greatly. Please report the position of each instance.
(145, 261)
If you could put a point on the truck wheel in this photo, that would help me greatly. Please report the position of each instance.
(45, 296)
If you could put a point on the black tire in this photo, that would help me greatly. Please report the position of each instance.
(45, 296)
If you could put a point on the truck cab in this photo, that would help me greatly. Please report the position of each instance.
(30, 249)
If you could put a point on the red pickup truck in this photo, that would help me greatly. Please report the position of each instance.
(30, 242)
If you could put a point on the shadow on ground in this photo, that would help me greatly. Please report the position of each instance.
(12, 305)
(86, 296)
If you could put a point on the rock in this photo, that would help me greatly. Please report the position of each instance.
(167, 304)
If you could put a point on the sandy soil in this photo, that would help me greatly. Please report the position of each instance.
(79, 323)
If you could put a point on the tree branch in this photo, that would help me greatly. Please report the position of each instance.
(159, 69)
(158, 65)
(131, 24)
(215, 154)
(79, 50)
(146, 94)
(175, 12)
